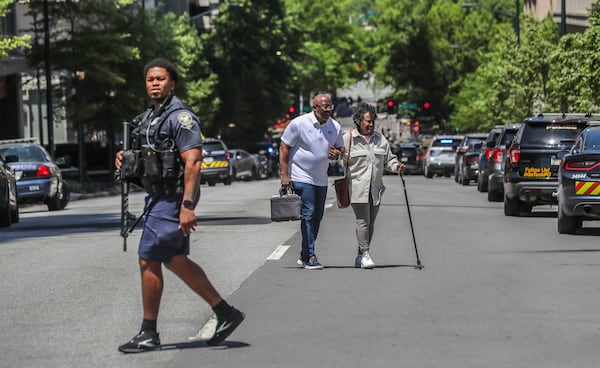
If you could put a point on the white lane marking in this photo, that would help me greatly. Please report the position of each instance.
(328, 205)
(278, 252)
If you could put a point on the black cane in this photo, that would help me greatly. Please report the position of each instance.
(411, 223)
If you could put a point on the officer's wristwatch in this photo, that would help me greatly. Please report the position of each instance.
(188, 204)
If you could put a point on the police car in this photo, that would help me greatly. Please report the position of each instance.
(579, 182)
(216, 163)
(39, 179)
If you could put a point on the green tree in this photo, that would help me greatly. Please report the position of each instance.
(574, 75)
(8, 44)
(511, 82)
(98, 50)
(330, 54)
(250, 48)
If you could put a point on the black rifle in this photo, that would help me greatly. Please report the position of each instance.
(126, 216)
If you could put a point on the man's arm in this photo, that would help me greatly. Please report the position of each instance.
(192, 164)
(284, 159)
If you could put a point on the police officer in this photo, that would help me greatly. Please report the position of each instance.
(167, 159)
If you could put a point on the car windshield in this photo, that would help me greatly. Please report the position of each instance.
(549, 134)
(592, 140)
(25, 154)
(508, 137)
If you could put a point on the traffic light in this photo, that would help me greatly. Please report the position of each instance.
(426, 105)
(390, 107)
(292, 112)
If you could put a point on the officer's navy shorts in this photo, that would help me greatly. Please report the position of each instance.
(161, 238)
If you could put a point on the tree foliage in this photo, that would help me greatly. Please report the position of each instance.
(8, 44)
(250, 48)
(98, 51)
(260, 57)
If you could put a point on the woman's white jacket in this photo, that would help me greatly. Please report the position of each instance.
(367, 162)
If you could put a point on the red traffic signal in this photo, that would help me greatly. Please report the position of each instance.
(426, 105)
(292, 109)
(390, 103)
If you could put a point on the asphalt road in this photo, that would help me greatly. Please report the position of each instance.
(496, 291)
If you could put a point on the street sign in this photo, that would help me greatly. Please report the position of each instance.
(408, 106)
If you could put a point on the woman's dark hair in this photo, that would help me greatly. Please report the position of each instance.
(361, 110)
(162, 63)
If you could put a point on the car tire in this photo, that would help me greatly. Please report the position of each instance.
(464, 181)
(66, 195)
(212, 183)
(494, 196)
(428, 174)
(481, 186)
(229, 179)
(512, 206)
(6, 216)
(14, 215)
(566, 224)
(53, 203)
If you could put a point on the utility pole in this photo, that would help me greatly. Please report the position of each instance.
(49, 111)
(517, 26)
(563, 31)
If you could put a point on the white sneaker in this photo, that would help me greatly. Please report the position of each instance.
(366, 261)
(300, 262)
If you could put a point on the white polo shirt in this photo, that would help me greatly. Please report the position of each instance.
(310, 142)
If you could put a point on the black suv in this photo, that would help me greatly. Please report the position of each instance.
(531, 163)
(495, 186)
(216, 162)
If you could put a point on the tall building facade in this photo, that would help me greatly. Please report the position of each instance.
(576, 12)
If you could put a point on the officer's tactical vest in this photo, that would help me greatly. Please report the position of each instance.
(160, 169)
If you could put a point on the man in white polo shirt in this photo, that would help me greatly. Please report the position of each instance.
(307, 145)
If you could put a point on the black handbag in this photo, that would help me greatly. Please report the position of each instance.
(285, 206)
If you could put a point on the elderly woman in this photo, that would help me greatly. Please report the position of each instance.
(369, 155)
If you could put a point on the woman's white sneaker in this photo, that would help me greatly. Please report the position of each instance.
(366, 261)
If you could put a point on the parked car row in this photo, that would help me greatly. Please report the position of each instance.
(551, 159)
(29, 175)
(223, 165)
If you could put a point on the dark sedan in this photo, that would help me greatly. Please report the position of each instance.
(579, 182)
(39, 179)
(9, 208)
(485, 155)
(469, 165)
(411, 155)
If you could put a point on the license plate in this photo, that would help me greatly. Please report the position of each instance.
(554, 161)
(537, 172)
(33, 188)
(403, 159)
(208, 159)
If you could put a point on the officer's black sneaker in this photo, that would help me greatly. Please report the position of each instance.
(226, 326)
(143, 341)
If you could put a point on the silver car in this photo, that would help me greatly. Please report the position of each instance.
(441, 155)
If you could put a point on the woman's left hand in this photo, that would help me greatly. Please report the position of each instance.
(401, 168)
